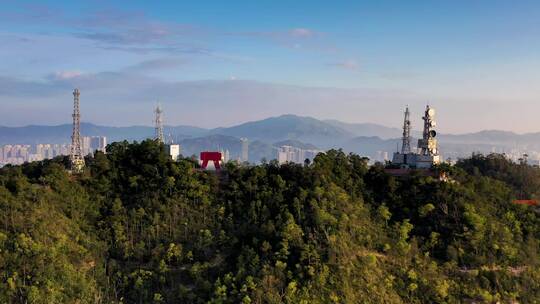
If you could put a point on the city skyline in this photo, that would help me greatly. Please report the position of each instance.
(226, 64)
(17, 154)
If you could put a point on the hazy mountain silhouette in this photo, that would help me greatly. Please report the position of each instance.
(268, 134)
(285, 127)
(366, 129)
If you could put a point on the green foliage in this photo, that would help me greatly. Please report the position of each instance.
(137, 227)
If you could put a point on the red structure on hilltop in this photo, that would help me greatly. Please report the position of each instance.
(527, 202)
(215, 157)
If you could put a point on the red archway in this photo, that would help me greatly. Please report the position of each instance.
(215, 157)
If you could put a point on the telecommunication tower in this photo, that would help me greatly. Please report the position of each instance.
(76, 157)
(428, 143)
(428, 152)
(406, 140)
(159, 124)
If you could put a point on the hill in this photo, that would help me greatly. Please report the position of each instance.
(285, 127)
(137, 227)
(366, 129)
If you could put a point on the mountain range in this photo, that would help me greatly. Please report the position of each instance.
(266, 135)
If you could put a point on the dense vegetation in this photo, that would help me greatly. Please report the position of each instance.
(137, 227)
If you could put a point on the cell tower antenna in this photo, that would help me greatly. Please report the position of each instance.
(428, 143)
(76, 157)
(406, 140)
(159, 124)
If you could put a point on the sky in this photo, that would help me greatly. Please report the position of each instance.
(220, 63)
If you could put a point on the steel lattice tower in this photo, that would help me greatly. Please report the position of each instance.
(76, 157)
(428, 144)
(159, 124)
(406, 140)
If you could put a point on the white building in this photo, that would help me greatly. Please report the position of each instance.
(173, 150)
(225, 155)
(90, 144)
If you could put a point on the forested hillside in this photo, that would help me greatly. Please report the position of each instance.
(137, 227)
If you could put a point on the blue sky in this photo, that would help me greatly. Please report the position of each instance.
(217, 63)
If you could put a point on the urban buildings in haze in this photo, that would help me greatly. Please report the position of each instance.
(20, 153)
(90, 144)
(289, 154)
(225, 155)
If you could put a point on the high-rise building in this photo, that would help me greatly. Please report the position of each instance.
(57, 150)
(94, 143)
(39, 151)
(244, 157)
(46, 151)
(85, 145)
(50, 153)
(7, 152)
(384, 156)
(98, 143)
(226, 156)
(24, 151)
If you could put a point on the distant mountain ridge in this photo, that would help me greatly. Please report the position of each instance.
(366, 129)
(62, 133)
(305, 129)
(266, 135)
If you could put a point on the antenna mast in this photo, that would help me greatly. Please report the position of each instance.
(159, 124)
(428, 143)
(76, 157)
(406, 140)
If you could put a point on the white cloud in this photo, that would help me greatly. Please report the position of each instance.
(301, 32)
(65, 75)
(349, 64)
(157, 64)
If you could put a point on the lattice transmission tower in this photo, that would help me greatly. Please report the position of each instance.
(159, 124)
(76, 157)
(406, 139)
